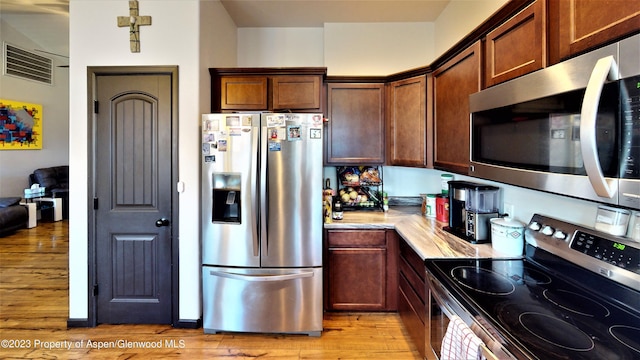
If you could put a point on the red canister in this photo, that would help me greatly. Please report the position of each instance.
(442, 208)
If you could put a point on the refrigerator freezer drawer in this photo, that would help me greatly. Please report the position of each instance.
(262, 300)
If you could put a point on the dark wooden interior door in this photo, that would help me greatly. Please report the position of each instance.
(133, 198)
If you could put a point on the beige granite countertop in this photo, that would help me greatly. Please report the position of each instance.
(424, 235)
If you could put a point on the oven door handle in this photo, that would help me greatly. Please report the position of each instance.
(486, 353)
(605, 69)
(436, 293)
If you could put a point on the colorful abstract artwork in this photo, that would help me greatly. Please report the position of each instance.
(20, 125)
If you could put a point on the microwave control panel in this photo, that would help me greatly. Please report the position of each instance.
(631, 128)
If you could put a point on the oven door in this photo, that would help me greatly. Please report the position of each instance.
(443, 306)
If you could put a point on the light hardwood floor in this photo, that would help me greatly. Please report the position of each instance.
(34, 310)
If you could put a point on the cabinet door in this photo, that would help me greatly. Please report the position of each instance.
(453, 82)
(243, 93)
(578, 26)
(357, 279)
(355, 131)
(296, 92)
(517, 46)
(361, 270)
(407, 122)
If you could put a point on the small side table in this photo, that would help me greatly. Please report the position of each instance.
(48, 203)
(44, 205)
(33, 214)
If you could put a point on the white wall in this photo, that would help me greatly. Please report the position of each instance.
(411, 182)
(218, 47)
(280, 47)
(458, 19)
(173, 39)
(16, 165)
(376, 49)
(345, 48)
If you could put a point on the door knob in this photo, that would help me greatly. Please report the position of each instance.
(162, 222)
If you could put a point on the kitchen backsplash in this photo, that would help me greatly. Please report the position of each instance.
(404, 186)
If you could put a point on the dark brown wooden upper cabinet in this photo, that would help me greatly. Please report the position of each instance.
(516, 47)
(355, 128)
(267, 89)
(578, 26)
(296, 92)
(453, 82)
(243, 93)
(407, 122)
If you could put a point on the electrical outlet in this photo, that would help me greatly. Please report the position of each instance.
(510, 210)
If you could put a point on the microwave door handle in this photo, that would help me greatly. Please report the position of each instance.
(605, 69)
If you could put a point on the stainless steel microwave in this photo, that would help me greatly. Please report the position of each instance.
(572, 128)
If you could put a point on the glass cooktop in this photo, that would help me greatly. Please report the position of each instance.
(546, 314)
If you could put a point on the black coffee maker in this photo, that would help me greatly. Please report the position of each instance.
(459, 216)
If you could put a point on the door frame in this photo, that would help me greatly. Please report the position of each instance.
(92, 73)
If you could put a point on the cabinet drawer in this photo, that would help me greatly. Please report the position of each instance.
(357, 238)
(413, 260)
(416, 302)
(412, 278)
(414, 325)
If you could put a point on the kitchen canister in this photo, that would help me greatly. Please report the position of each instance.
(431, 206)
(507, 236)
(442, 208)
(612, 220)
(444, 183)
(634, 228)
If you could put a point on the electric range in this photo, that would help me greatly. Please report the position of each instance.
(574, 295)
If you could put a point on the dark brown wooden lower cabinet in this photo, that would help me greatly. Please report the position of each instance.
(361, 270)
(411, 295)
(376, 270)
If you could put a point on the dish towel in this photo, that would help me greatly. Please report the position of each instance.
(460, 343)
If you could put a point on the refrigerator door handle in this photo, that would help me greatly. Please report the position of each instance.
(264, 194)
(262, 277)
(254, 195)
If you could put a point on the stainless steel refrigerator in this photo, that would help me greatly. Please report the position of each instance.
(262, 223)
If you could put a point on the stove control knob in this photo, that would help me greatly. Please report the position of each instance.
(559, 235)
(547, 230)
(534, 226)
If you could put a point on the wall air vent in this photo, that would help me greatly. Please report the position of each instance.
(27, 65)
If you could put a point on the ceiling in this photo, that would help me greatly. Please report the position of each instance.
(283, 13)
(47, 22)
(314, 13)
(60, 7)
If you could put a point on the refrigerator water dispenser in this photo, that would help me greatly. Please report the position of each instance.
(226, 198)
